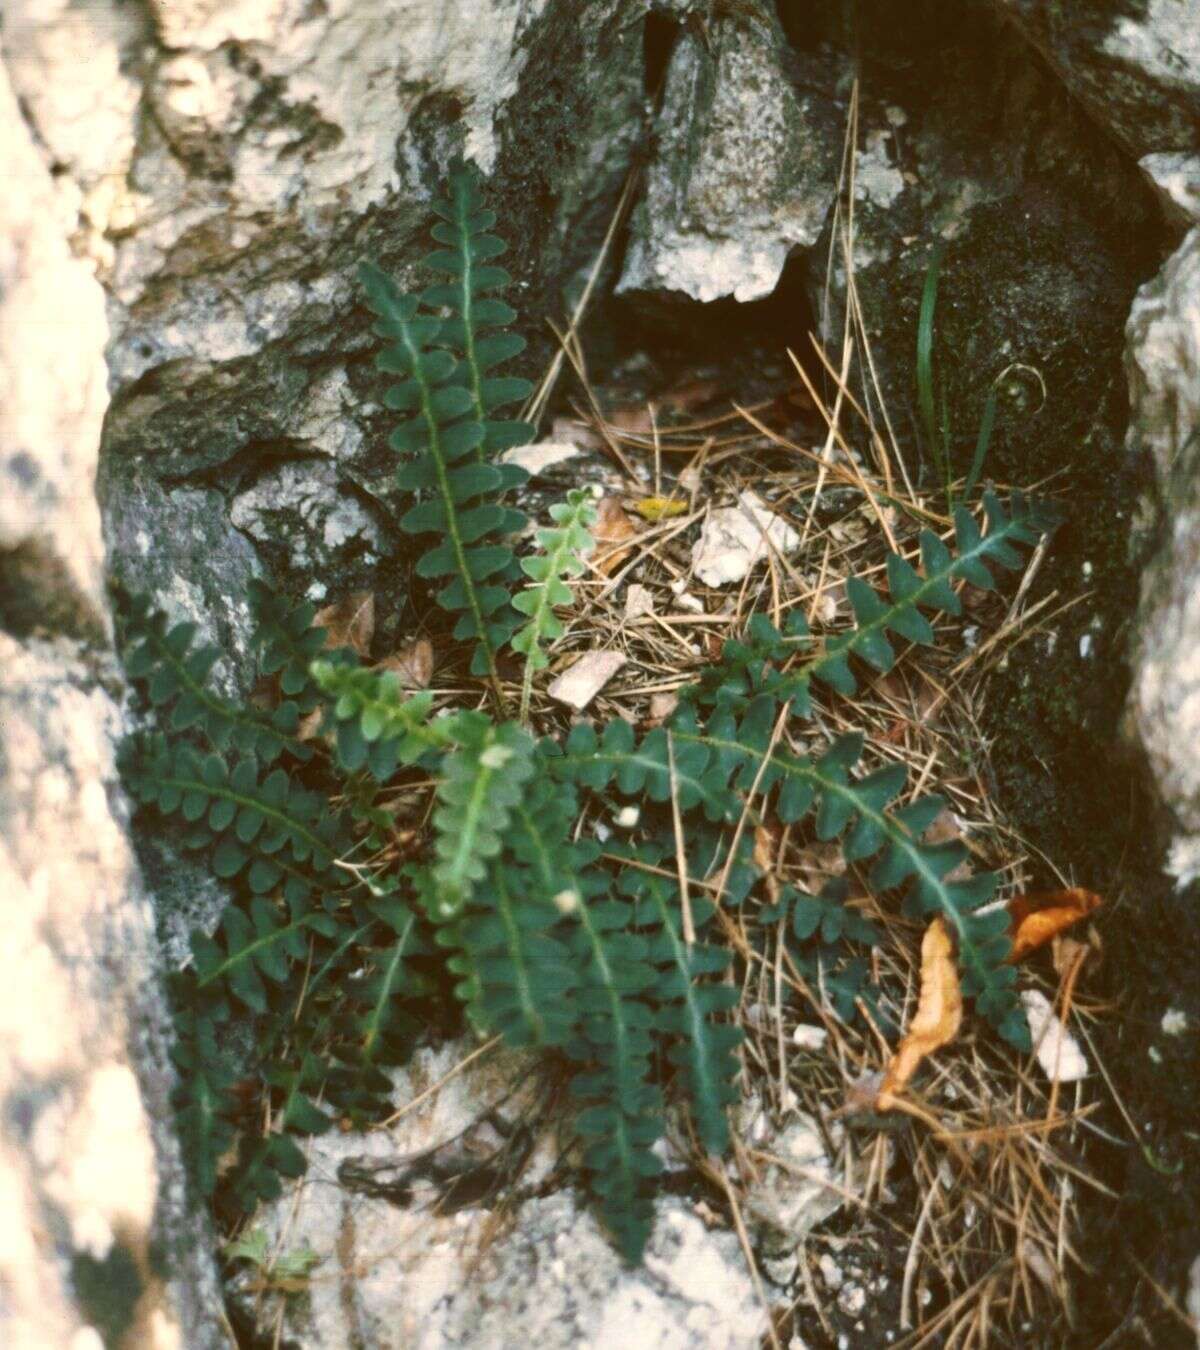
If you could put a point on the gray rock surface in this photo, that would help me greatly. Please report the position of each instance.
(398, 1271)
(745, 166)
(1045, 232)
(1135, 63)
(1164, 374)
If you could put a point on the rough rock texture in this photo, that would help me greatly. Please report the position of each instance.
(1164, 373)
(100, 1244)
(52, 399)
(747, 147)
(1135, 63)
(1045, 232)
(413, 1257)
(97, 1230)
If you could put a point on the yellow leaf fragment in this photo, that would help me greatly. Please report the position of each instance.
(659, 508)
(938, 1016)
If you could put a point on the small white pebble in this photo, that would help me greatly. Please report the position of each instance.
(831, 1272)
(809, 1037)
(1155, 1055)
(628, 817)
(1174, 1022)
(852, 1299)
(1086, 643)
(1088, 569)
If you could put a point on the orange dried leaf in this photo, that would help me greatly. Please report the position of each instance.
(612, 528)
(938, 1016)
(349, 622)
(1036, 918)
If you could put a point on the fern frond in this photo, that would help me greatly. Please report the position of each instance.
(621, 1119)
(174, 677)
(375, 1027)
(452, 436)
(287, 640)
(203, 1097)
(688, 1009)
(563, 550)
(468, 294)
(256, 945)
(378, 726)
(254, 827)
(752, 666)
(732, 755)
(295, 1114)
(482, 780)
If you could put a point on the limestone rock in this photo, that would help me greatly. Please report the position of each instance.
(405, 1266)
(52, 400)
(1164, 376)
(745, 167)
(94, 1201)
(1136, 66)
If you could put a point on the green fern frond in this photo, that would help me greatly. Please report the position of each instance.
(174, 677)
(203, 1098)
(563, 549)
(622, 1116)
(287, 641)
(467, 294)
(378, 726)
(752, 665)
(482, 780)
(689, 1005)
(375, 1028)
(250, 947)
(254, 827)
(295, 1115)
(731, 756)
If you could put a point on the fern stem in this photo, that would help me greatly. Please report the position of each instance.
(289, 824)
(456, 542)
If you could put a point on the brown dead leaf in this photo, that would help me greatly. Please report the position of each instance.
(634, 420)
(938, 1016)
(349, 622)
(612, 528)
(947, 828)
(1036, 918)
(413, 663)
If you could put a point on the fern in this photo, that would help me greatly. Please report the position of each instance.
(564, 549)
(332, 947)
(464, 230)
(450, 435)
(174, 676)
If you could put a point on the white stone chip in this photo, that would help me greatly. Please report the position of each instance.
(1057, 1050)
(638, 602)
(580, 684)
(809, 1037)
(540, 456)
(734, 538)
